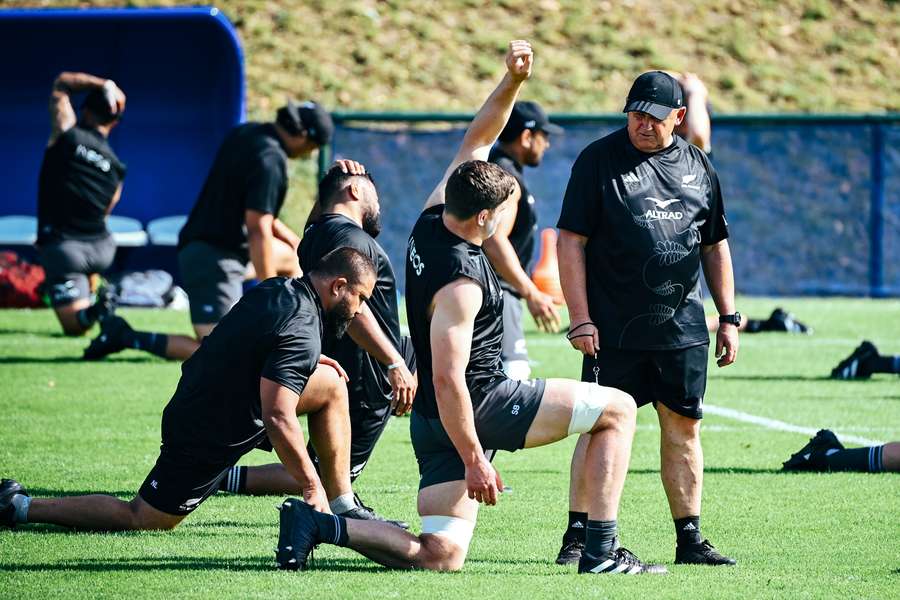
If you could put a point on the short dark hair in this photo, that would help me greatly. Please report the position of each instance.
(476, 185)
(98, 105)
(334, 181)
(345, 262)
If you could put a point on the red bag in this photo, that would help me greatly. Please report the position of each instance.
(20, 282)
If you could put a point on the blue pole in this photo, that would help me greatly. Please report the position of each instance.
(876, 225)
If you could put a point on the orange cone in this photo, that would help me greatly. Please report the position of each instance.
(546, 272)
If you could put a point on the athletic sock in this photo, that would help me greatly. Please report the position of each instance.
(869, 459)
(154, 343)
(235, 481)
(755, 325)
(600, 537)
(21, 502)
(687, 531)
(342, 503)
(576, 531)
(86, 317)
(886, 364)
(332, 528)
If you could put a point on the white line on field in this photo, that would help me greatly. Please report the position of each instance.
(730, 413)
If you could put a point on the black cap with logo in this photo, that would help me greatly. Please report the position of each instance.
(528, 115)
(307, 117)
(655, 93)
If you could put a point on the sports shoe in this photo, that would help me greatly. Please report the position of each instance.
(811, 457)
(8, 489)
(858, 365)
(105, 304)
(570, 553)
(781, 320)
(619, 560)
(703, 553)
(113, 332)
(297, 536)
(366, 513)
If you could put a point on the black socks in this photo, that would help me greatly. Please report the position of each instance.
(154, 343)
(577, 529)
(88, 316)
(687, 531)
(332, 529)
(235, 481)
(864, 460)
(886, 364)
(600, 537)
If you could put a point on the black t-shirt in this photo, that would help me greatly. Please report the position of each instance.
(79, 177)
(522, 235)
(274, 331)
(366, 374)
(249, 173)
(645, 217)
(434, 258)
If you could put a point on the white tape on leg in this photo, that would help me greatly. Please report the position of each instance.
(459, 531)
(590, 402)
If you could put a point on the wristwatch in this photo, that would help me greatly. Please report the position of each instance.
(734, 319)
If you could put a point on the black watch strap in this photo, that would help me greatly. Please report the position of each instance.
(734, 319)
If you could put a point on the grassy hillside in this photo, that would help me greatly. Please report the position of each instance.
(756, 56)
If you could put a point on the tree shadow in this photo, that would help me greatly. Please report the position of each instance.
(37, 492)
(716, 471)
(41, 332)
(23, 360)
(167, 563)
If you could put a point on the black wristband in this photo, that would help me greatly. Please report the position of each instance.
(570, 338)
(571, 329)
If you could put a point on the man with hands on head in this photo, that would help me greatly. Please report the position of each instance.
(465, 407)
(642, 212)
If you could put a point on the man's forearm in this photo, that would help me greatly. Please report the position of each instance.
(573, 277)
(493, 114)
(284, 233)
(286, 436)
(455, 410)
(719, 276)
(504, 260)
(365, 331)
(77, 82)
(261, 255)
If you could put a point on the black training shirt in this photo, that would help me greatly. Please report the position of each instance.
(249, 173)
(434, 258)
(646, 217)
(274, 331)
(79, 177)
(366, 374)
(522, 235)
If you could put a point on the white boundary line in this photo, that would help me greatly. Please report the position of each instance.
(730, 413)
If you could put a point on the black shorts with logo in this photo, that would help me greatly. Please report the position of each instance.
(213, 279)
(502, 420)
(676, 378)
(68, 263)
(181, 480)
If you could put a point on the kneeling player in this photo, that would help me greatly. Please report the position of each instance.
(466, 408)
(242, 389)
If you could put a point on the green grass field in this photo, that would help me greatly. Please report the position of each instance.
(69, 427)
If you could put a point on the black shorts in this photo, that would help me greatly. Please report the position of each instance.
(502, 420)
(68, 264)
(676, 378)
(180, 481)
(213, 279)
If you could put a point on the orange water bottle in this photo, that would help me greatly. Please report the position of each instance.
(546, 272)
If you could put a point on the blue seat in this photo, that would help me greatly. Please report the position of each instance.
(164, 231)
(18, 230)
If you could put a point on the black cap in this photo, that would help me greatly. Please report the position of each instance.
(655, 93)
(308, 117)
(99, 105)
(528, 115)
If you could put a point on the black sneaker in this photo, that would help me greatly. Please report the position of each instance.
(298, 535)
(619, 560)
(113, 333)
(105, 304)
(703, 553)
(8, 489)
(858, 365)
(781, 320)
(811, 457)
(570, 553)
(366, 513)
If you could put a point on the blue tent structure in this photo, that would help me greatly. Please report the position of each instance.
(182, 70)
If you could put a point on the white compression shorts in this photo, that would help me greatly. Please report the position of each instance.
(590, 402)
(459, 531)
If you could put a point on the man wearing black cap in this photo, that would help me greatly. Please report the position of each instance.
(234, 225)
(80, 183)
(522, 143)
(642, 212)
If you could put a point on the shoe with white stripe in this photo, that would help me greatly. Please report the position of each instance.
(858, 365)
(619, 560)
(298, 535)
(811, 457)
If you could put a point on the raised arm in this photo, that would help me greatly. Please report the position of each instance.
(492, 116)
(62, 114)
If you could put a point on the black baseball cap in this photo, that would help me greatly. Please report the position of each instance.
(528, 115)
(307, 117)
(655, 93)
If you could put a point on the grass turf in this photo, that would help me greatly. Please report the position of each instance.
(70, 427)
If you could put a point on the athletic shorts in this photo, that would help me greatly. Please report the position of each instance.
(502, 420)
(213, 279)
(180, 481)
(513, 346)
(68, 264)
(676, 378)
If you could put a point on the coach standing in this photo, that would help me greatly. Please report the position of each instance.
(642, 212)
